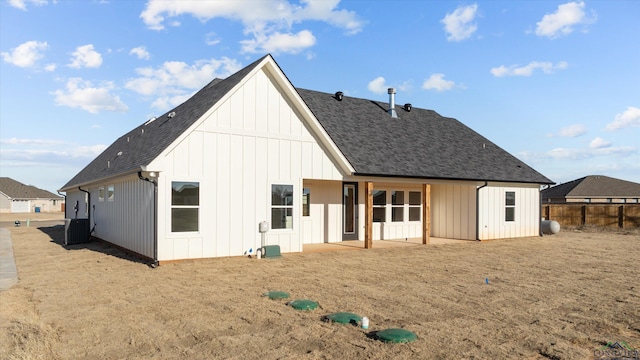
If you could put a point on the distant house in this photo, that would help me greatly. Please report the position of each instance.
(593, 189)
(16, 197)
(319, 167)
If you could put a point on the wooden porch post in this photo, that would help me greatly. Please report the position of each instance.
(368, 215)
(426, 213)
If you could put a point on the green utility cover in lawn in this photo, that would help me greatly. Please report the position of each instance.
(396, 335)
(303, 304)
(344, 318)
(277, 295)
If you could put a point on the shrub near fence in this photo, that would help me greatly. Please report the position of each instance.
(603, 215)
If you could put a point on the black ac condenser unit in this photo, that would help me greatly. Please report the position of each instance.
(76, 231)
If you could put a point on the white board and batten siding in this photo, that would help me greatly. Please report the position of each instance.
(453, 211)
(76, 205)
(324, 223)
(131, 208)
(492, 222)
(254, 138)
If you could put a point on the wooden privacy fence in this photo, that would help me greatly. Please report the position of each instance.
(606, 215)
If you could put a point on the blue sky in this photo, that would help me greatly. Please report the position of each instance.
(555, 83)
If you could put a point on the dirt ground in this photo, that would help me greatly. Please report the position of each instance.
(560, 297)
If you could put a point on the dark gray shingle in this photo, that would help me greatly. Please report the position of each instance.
(418, 144)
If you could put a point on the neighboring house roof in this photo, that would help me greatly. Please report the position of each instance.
(594, 186)
(419, 144)
(16, 190)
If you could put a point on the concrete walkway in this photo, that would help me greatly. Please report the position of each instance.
(8, 271)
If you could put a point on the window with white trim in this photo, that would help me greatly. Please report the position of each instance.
(281, 206)
(101, 193)
(510, 206)
(379, 205)
(111, 192)
(415, 201)
(397, 206)
(185, 206)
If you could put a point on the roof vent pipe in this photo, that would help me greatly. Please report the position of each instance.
(339, 95)
(392, 102)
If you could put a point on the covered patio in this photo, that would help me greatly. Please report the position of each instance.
(378, 244)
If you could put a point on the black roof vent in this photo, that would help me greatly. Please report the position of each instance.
(407, 107)
(339, 95)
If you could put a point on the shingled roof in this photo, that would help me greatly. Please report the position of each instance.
(593, 186)
(417, 144)
(144, 143)
(17, 190)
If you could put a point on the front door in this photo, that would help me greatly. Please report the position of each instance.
(349, 211)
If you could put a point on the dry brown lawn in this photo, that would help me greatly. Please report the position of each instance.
(558, 297)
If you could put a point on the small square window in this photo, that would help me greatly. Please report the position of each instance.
(510, 214)
(380, 197)
(185, 201)
(510, 198)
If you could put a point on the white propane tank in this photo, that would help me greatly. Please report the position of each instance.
(550, 227)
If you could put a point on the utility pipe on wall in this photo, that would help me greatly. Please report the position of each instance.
(478, 210)
(154, 264)
(88, 211)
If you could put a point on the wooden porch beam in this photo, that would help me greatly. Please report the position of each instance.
(426, 214)
(368, 215)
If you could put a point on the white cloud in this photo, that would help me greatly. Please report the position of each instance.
(438, 83)
(562, 21)
(279, 43)
(268, 22)
(50, 67)
(85, 56)
(26, 54)
(629, 118)
(571, 131)
(22, 4)
(527, 70)
(406, 86)
(378, 85)
(599, 143)
(580, 153)
(141, 52)
(211, 39)
(82, 94)
(174, 81)
(459, 24)
(62, 154)
(16, 141)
